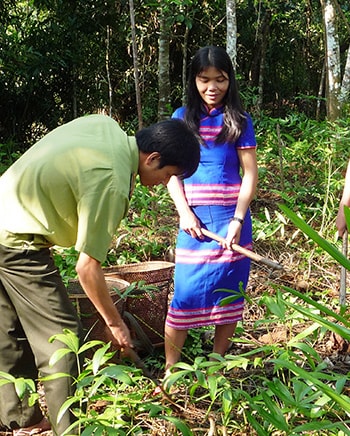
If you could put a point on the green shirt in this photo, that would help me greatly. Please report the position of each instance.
(71, 188)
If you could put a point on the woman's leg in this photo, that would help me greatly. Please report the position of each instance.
(174, 341)
(223, 333)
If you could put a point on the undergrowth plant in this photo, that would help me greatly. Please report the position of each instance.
(149, 229)
(123, 394)
(281, 388)
(302, 163)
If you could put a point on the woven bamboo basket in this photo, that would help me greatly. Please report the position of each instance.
(91, 320)
(148, 308)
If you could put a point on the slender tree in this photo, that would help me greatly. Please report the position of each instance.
(345, 86)
(231, 33)
(163, 62)
(136, 66)
(110, 89)
(333, 78)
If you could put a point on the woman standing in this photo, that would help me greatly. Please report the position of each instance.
(217, 198)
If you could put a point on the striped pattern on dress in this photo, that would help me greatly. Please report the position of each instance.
(192, 318)
(219, 255)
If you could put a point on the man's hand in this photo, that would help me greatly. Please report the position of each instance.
(121, 336)
(94, 284)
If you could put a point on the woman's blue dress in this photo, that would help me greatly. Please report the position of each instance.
(203, 266)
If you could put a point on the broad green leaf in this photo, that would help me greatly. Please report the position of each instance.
(180, 425)
(227, 401)
(68, 338)
(270, 415)
(341, 400)
(90, 344)
(98, 358)
(278, 418)
(256, 425)
(303, 334)
(175, 376)
(66, 406)
(58, 354)
(309, 352)
(21, 387)
(311, 233)
(321, 426)
(336, 328)
(320, 307)
(238, 362)
(213, 386)
(282, 392)
(119, 372)
(184, 366)
(301, 390)
(55, 376)
(153, 409)
(8, 377)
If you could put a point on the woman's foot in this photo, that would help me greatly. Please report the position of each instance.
(38, 428)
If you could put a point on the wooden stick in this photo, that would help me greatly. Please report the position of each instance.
(242, 250)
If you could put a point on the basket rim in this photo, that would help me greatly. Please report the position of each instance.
(149, 266)
(123, 282)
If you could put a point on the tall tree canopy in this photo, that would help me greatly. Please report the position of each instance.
(62, 59)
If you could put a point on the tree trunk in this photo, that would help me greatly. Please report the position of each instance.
(332, 60)
(136, 66)
(110, 90)
(184, 65)
(320, 91)
(345, 86)
(75, 99)
(263, 40)
(231, 35)
(163, 65)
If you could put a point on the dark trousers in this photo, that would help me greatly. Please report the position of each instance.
(34, 305)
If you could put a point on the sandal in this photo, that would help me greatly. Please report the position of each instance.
(38, 428)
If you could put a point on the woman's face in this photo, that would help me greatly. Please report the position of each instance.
(212, 85)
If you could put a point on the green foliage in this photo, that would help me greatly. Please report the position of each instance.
(277, 388)
(24, 388)
(56, 63)
(122, 389)
(8, 155)
(323, 243)
(285, 388)
(148, 231)
(302, 389)
(65, 260)
(302, 163)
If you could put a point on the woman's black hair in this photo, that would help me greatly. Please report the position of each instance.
(234, 117)
(176, 143)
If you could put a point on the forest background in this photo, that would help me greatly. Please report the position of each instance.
(288, 371)
(62, 59)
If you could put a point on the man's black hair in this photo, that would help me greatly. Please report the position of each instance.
(175, 142)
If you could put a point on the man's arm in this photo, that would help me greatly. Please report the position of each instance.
(92, 280)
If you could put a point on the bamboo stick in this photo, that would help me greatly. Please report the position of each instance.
(242, 250)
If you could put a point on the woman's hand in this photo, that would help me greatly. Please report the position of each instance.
(191, 225)
(233, 234)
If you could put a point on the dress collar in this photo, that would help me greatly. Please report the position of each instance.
(212, 112)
